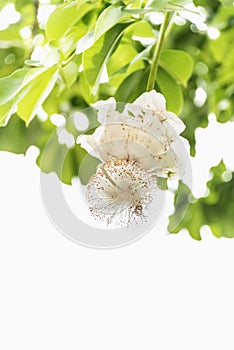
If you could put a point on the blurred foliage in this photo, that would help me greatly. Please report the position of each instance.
(215, 210)
(55, 59)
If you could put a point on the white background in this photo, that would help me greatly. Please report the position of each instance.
(163, 292)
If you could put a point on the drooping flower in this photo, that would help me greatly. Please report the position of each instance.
(135, 146)
(144, 131)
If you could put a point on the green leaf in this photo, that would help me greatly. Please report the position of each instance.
(6, 111)
(13, 88)
(168, 4)
(35, 94)
(215, 210)
(171, 90)
(11, 85)
(136, 11)
(109, 18)
(118, 78)
(133, 86)
(17, 138)
(19, 4)
(85, 42)
(66, 162)
(181, 218)
(84, 89)
(10, 37)
(70, 73)
(157, 4)
(64, 17)
(143, 55)
(142, 29)
(67, 44)
(226, 2)
(122, 56)
(222, 47)
(96, 57)
(179, 64)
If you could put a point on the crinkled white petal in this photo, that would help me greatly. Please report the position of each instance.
(175, 122)
(152, 100)
(113, 141)
(156, 102)
(105, 108)
(144, 132)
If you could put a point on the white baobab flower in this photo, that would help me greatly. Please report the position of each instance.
(144, 131)
(135, 146)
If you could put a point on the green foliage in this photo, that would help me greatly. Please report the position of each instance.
(36, 133)
(132, 86)
(171, 90)
(24, 92)
(65, 17)
(161, 5)
(96, 57)
(178, 64)
(215, 210)
(108, 18)
(84, 39)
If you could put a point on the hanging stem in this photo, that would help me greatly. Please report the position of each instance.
(157, 52)
(170, 25)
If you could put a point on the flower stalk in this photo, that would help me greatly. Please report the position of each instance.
(157, 52)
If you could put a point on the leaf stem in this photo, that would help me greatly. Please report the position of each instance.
(170, 25)
(157, 52)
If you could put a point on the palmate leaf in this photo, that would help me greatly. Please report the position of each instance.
(215, 210)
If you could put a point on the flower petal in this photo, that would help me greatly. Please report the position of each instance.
(144, 132)
(152, 100)
(175, 122)
(104, 108)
